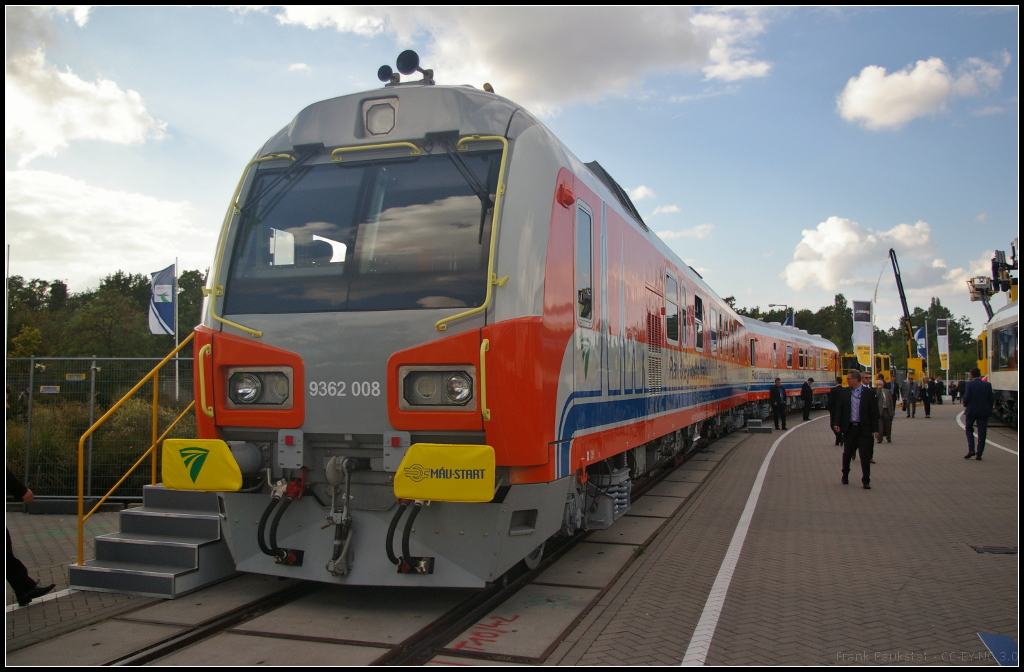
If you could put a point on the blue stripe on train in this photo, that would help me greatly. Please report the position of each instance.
(588, 415)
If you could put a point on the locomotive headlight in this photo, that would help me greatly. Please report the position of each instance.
(426, 387)
(380, 119)
(458, 388)
(245, 388)
(436, 388)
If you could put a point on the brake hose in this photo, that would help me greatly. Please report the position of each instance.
(390, 542)
(274, 549)
(408, 529)
(263, 526)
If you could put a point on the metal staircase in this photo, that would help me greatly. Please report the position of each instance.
(166, 548)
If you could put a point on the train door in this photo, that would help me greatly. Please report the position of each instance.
(587, 357)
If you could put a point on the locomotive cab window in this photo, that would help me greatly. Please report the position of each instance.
(584, 266)
(389, 234)
(671, 310)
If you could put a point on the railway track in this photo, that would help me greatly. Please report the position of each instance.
(441, 635)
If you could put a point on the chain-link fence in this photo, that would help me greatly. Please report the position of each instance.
(53, 401)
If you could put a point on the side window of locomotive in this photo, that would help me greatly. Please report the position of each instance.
(713, 328)
(698, 321)
(801, 358)
(753, 354)
(1005, 348)
(789, 356)
(671, 310)
(584, 266)
(775, 355)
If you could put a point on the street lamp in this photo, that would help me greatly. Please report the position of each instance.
(786, 306)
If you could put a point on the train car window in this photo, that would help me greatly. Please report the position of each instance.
(396, 234)
(801, 358)
(789, 356)
(671, 310)
(584, 266)
(753, 353)
(775, 355)
(1005, 348)
(698, 322)
(684, 328)
(714, 329)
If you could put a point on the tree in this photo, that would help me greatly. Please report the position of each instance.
(110, 326)
(28, 342)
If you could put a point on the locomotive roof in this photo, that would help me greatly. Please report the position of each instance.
(423, 109)
(776, 330)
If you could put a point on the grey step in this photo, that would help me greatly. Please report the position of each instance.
(159, 497)
(149, 550)
(170, 523)
(125, 577)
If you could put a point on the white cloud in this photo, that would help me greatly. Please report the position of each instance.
(700, 232)
(294, 67)
(665, 209)
(982, 218)
(605, 50)
(46, 108)
(59, 227)
(830, 255)
(986, 111)
(640, 193)
(879, 100)
(733, 30)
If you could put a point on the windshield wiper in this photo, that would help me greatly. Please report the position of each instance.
(486, 204)
(254, 199)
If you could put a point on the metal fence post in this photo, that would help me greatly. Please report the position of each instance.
(28, 415)
(92, 410)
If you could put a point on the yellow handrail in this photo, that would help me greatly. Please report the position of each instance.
(492, 278)
(104, 418)
(215, 289)
(151, 449)
(204, 351)
(335, 155)
(484, 347)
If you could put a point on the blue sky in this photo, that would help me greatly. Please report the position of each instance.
(781, 152)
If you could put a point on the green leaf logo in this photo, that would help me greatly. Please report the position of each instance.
(194, 459)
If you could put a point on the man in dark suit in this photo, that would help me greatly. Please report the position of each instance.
(977, 400)
(833, 408)
(25, 588)
(858, 421)
(807, 396)
(777, 399)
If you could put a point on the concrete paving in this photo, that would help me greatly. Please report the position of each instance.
(828, 573)
(46, 544)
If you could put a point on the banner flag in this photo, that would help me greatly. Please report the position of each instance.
(863, 331)
(788, 322)
(161, 302)
(942, 331)
(922, 343)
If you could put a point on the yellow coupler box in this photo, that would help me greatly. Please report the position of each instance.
(446, 473)
(200, 464)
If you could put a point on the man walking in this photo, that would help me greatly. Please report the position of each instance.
(978, 404)
(833, 408)
(25, 588)
(858, 421)
(807, 397)
(777, 399)
(885, 410)
(910, 398)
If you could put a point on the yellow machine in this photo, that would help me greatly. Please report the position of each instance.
(915, 364)
(983, 289)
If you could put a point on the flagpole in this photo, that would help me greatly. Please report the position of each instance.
(177, 386)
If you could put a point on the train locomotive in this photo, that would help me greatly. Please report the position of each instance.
(434, 339)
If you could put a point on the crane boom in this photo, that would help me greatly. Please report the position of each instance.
(915, 365)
